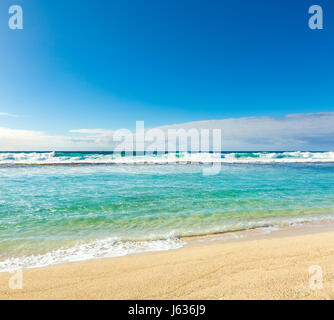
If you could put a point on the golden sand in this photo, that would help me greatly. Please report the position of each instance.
(270, 268)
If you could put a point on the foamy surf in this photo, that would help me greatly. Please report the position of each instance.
(104, 248)
(114, 247)
(54, 158)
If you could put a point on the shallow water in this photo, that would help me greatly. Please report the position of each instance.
(53, 214)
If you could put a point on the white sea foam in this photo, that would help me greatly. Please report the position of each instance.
(181, 158)
(114, 247)
(105, 248)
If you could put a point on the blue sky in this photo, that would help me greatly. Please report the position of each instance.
(105, 64)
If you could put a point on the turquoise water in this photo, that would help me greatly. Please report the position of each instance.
(59, 213)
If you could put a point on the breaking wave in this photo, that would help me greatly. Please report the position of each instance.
(53, 158)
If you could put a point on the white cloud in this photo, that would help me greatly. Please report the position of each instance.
(6, 114)
(293, 132)
(92, 131)
(27, 140)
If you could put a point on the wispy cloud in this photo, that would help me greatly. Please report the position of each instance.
(92, 131)
(6, 114)
(292, 132)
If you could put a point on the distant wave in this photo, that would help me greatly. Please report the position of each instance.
(43, 158)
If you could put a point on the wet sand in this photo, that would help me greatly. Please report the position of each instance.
(274, 266)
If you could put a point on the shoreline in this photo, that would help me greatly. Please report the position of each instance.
(259, 266)
(263, 232)
(179, 242)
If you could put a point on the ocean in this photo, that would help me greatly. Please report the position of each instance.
(57, 207)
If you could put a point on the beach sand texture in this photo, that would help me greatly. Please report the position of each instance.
(270, 268)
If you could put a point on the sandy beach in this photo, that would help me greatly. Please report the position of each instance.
(271, 267)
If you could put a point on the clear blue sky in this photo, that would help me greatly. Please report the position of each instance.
(105, 64)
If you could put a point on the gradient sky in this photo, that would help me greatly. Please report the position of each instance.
(105, 64)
